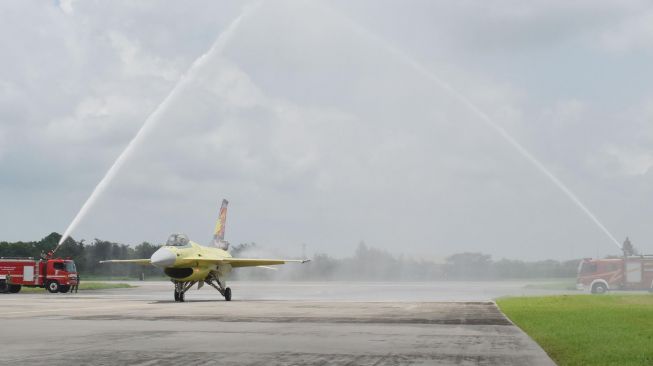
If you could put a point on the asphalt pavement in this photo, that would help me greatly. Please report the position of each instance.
(265, 324)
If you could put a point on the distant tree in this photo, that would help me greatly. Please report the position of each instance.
(141, 251)
(506, 268)
(368, 263)
(469, 266)
(145, 250)
(321, 267)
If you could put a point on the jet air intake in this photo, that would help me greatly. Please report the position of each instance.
(178, 272)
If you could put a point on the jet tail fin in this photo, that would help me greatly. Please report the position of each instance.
(218, 233)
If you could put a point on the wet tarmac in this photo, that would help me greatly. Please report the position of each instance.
(265, 324)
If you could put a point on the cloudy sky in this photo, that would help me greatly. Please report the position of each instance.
(314, 121)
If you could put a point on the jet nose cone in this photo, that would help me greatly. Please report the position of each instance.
(163, 258)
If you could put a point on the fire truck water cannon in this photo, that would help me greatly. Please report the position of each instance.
(53, 274)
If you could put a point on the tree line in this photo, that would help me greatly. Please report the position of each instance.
(88, 255)
(366, 264)
(373, 264)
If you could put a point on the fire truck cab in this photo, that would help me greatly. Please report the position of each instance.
(626, 273)
(55, 275)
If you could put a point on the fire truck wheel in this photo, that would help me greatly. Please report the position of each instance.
(63, 289)
(14, 289)
(52, 286)
(599, 288)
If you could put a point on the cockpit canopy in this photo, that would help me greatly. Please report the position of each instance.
(177, 240)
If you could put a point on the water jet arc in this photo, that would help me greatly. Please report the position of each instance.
(154, 117)
(484, 117)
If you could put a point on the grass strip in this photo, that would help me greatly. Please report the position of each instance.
(553, 285)
(587, 329)
(84, 286)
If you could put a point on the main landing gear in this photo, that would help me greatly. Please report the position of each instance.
(215, 282)
(212, 279)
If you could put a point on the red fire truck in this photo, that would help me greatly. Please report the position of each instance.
(625, 273)
(54, 274)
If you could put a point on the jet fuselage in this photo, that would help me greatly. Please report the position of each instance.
(188, 262)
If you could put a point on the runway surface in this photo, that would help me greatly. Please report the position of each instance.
(286, 324)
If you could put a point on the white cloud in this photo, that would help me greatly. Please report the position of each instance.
(93, 119)
(138, 63)
(566, 112)
(3, 142)
(66, 6)
(630, 161)
(633, 33)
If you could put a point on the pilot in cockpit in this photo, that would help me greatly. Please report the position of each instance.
(177, 240)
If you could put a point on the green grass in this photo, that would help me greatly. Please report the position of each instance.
(102, 285)
(83, 286)
(121, 278)
(563, 284)
(587, 329)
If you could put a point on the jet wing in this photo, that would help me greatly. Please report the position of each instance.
(133, 261)
(248, 262)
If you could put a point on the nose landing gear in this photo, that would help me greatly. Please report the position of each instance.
(181, 288)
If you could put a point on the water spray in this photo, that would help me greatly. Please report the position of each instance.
(415, 65)
(155, 116)
(219, 45)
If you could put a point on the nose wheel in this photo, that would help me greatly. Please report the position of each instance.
(227, 294)
(181, 288)
(179, 296)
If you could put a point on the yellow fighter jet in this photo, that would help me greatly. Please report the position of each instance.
(188, 263)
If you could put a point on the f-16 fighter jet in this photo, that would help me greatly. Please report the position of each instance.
(188, 263)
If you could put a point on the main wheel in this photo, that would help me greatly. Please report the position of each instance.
(14, 289)
(227, 294)
(599, 288)
(53, 286)
(182, 297)
(64, 288)
(176, 295)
